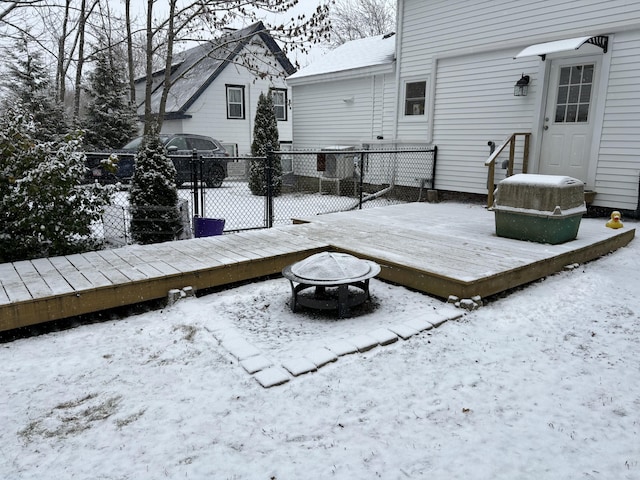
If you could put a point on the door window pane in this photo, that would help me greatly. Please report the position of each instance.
(574, 94)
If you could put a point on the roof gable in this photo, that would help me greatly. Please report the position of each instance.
(194, 70)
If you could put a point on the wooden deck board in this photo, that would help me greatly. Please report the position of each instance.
(52, 276)
(75, 279)
(14, 287)
(417, 245)
(92, 274)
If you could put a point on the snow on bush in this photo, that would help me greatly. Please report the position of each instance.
(45, 209)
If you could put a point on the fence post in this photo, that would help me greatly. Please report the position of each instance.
(361, 177)
(195, 182)
(269, 174)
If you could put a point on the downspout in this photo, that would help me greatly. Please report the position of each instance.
(399, 28)
(249, 116)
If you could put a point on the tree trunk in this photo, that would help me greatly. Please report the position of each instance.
(132, 84)
(78, 84)
(148, 87)
(171, 34)
(61, 86)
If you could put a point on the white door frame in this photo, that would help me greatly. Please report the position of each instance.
(597, 114)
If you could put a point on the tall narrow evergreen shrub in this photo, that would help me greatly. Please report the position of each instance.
(265, 133)
(153, 196)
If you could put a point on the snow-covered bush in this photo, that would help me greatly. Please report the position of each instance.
(153, 196)
(45, 209)
(265, 134)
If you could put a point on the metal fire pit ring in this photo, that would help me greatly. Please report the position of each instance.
(330, 270)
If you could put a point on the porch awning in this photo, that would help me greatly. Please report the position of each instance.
(543, 49)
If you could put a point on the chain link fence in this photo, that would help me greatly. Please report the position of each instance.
(312, 183)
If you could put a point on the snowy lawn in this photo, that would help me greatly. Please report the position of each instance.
(540, 384)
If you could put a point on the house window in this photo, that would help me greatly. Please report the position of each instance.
(235, 101)
(279, 97)
(414, 98)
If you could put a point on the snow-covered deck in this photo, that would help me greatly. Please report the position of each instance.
(441, 249)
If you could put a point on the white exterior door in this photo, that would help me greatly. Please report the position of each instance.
(568, 122)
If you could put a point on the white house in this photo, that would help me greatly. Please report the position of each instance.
(216, 86)
(452, 85)
(347, 97)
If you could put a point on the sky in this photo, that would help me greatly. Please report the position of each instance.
(539, 383)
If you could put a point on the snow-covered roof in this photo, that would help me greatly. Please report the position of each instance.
(353, 55)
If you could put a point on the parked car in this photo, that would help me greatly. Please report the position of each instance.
(180, 148)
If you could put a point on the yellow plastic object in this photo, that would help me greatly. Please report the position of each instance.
(615, 220)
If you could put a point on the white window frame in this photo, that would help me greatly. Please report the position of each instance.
(425, 105)
(241, 103)
(283, 105)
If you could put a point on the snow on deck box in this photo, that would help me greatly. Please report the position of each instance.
(539, 208)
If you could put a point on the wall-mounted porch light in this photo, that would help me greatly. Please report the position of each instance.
(521, 88)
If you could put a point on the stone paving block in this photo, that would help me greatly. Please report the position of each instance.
(364, 342)
(384, 336)
(321, 357)
(403, 331)
(240, 348)
(436, 322)
(272, 376)
(299, 366)
(256, 363)
(342, 347)
(419, 324)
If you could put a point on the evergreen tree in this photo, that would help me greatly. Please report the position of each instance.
(110, 120)
(153, 195)
(44, 207)
(29, 84)
(265, 134)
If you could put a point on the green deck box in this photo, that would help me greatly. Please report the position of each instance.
(539, 208)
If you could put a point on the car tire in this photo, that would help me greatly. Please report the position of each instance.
(215, 177)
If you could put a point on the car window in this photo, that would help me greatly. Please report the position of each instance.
(179, 142)
(133, 144)
(203, 144)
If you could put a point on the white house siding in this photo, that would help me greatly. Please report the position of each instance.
(474, 104)
(209, 112)
(619, 159)
(472, 44)
(343, 112)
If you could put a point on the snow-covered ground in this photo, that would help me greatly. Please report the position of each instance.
(543, 383)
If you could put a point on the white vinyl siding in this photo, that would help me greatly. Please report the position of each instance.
(496, 113)
(619, 160)
(345, 112)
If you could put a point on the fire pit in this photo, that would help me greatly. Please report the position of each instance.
(329, 270)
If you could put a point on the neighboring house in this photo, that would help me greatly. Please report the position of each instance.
(347, 97)
(215, 92)
(456, 66)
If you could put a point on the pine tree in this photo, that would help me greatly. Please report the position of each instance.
(153, 195)
(110, 120)
(45, 209)
(265, 134)
(29, 84)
